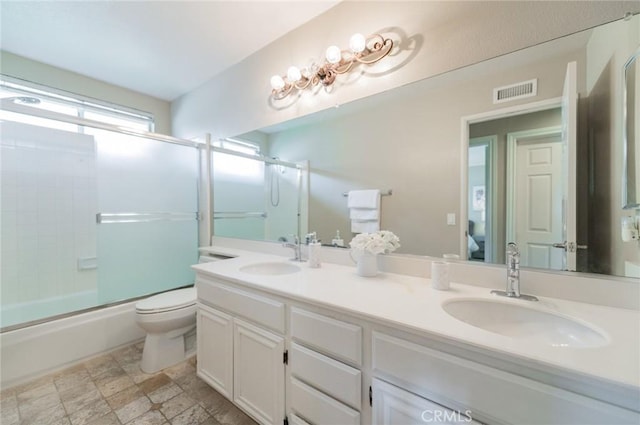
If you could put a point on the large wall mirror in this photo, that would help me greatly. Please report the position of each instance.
(631, 122)
(452, 177)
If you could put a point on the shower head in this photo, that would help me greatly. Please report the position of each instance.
(26, 100)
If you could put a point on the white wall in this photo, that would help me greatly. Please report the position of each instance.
(432, 37)
(40, 73)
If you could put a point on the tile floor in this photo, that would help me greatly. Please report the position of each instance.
(111, 389)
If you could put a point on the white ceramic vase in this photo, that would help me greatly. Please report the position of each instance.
(367, 265)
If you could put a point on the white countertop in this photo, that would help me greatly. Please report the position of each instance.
(410, 303)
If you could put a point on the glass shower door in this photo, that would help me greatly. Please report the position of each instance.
(147, 215)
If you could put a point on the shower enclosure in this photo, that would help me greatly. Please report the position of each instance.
(93, 213)
(254, 197)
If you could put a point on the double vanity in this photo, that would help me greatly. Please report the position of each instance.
(289, 343)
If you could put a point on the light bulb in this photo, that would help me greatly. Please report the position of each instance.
(357, 43)
(277, 82)
(293, 74)
(333, 54)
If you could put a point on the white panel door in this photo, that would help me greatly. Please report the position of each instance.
(395, 406)
(215, 349)
(258, 372)
(538, 199)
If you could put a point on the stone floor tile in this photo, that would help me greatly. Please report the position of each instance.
(27, 386)
(176, 405)
(153, 417)
(37, 392)
(231, 415)
(90, 412)
(155, 382)
(112, 382)
(7, 393)
(31, 408)
(210, 421)
(101, 365)
(112, 390)
(71, 393)
(181, 369)
(108, 419)
(192, 416)
(135, 373)
(191, 383)
(164, 393)
(74, 379)
(54, 414)
(68, 371)
(9, 415)
(127, 355)
(124, 397)
(134, 409)
(9, 402)
(82, 400)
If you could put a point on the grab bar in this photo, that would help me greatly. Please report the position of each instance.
(140, 217)
(217, 215)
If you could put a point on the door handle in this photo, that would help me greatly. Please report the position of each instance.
(569, 246)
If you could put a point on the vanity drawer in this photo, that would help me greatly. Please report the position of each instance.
(334, 337)
(319, 408)
(489, 394)
(261, 310)
(330, 376)
(297, 420)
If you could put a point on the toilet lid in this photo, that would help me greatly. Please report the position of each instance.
(170, 300)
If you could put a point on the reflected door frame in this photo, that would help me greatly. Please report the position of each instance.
(491, 180)
(468, 120)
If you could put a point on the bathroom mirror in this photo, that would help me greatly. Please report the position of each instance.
(408, 140)
(631, 121)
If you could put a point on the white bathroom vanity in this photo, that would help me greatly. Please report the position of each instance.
(292, 344)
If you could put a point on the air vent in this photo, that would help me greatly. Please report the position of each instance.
(515, 91)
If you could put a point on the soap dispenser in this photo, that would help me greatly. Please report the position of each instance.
(314, 252)
(337, 241)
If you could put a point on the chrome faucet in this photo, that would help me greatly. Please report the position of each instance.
(297, 251)
(513, 275)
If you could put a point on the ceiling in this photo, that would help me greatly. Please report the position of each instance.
(160, 48)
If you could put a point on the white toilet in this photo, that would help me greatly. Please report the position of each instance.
(166, 318)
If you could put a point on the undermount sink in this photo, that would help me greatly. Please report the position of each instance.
(518, 321)
(270, 268)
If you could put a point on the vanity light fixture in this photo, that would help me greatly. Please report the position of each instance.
(366, 50)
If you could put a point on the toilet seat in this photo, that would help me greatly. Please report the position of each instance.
(167, 301)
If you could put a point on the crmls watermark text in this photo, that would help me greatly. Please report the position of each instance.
(445, 416)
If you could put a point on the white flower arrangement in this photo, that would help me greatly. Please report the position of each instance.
(379, 242)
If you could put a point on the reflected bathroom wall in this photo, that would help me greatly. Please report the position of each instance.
(253, 199)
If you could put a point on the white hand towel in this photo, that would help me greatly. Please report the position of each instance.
(364, 214)
(365, 226)
(364, 199)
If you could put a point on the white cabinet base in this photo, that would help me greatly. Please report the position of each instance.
(395, 406)
(258, 380)
(215, 349)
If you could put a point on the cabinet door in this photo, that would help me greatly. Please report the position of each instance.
(215, 349)
(259, 372)
(395, 406)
